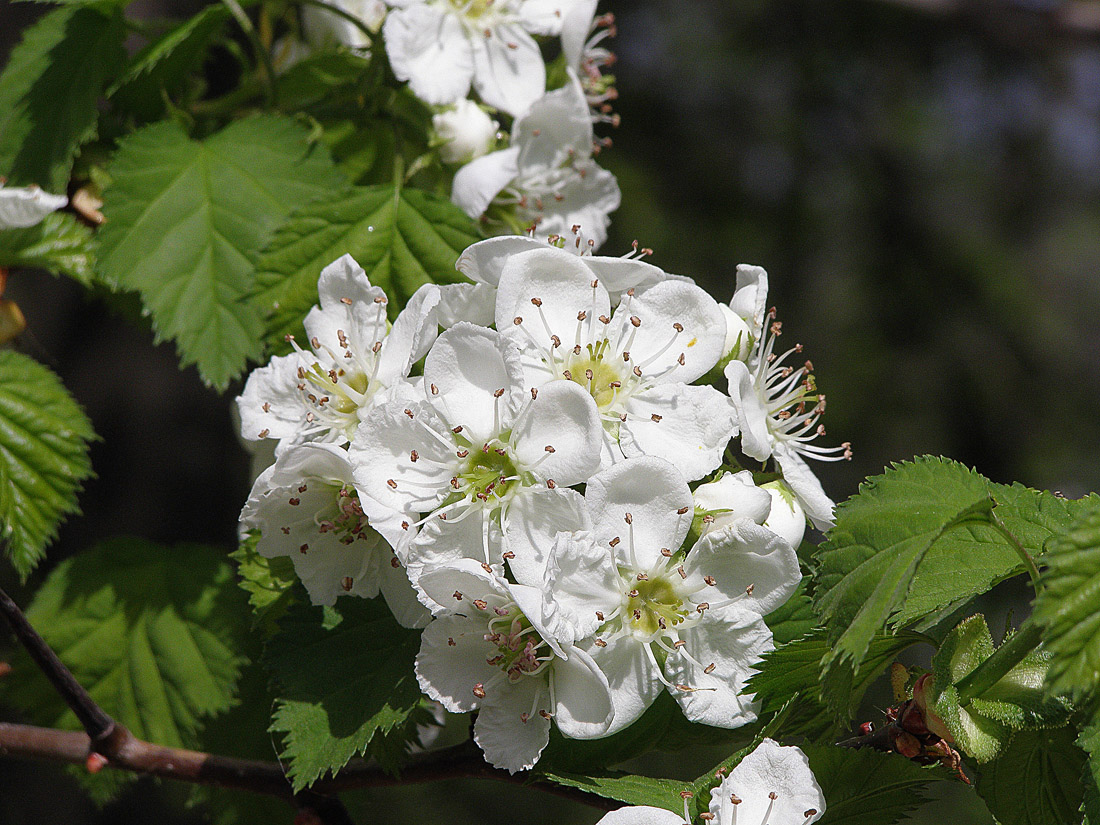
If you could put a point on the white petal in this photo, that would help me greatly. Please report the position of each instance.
(479, 181)
(546, 16)
(563, 417)
(452, 661)
(700, 343)
(475, 537)
(731, 497)
(740, 555)
(583, 708)
(562, 284)
(508, 741)
(508, 70)
(413, 332)
(575, 27)
(770, 768)
(382, 453)
(26, 206)
(786, 517)
(429, 48)
(733, 648)
(483, 261)
(752, 421)
(642, 815)
(652, 492)
(473, 303)
(620, 274)
(556, 130)
(467, 367)
(582, 581)
(750, 299)
(454, 587)
(271, 405)
(738, 335)
(801, 479)
(584, 199)
(631, 676)
(401, 597)
(686, 425)
(343, 282)
(532, 522)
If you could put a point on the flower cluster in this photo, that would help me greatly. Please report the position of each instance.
(520, 483)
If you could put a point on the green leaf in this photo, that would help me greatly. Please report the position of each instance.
(1089, 741)
(344, 681)
(268, 582)
(985, 725)
(318, 77)
(186, 219)
(164, 65)
(50, 89)
(44, 439)
(1037, 781)
(794, 618)
(403, 238)
(1068, 607)
(60, 244)
(866, 786)
(625, 787)
(151, 632)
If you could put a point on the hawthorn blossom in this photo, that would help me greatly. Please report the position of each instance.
(464, 132)
(770, 786)
(306, 507)
(735, 495)
(356, 360)
(651, 618)
(582, 36)
(323, 28)
(637, 361)
(490, 652)
(23, 206)
(745, 312)
(442, 47)
(459, 461)
(777, 408)
(547, 177)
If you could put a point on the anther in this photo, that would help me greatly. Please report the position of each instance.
(681, 360)
(642, 577)
(457, 595)
(637, 371)
(434, 388)
(517, 320)
(549, 449)
(709, 668)
(772, 795)
(534, 393)
(681, 511)
(391, 483)
(614, 542)
(481, 604)
(604, 319)
(264, 433)
(537, 301)
(413, 456)
(655, 418)
(633, 593)
(686, 795)
(294, 502)
(628, 518)
(303, 548)
(408, 412)
(599, 615)
(709, 580)
(498, 393)
(678, 326)
(810, 812)
(679, 643)
(735, 799)
(479, 690)
(551, 483)
(749, 589)
(395, 563)
(545, 715)
(346, 301)
(347, 583)
(701, 607)
(600, 643)
(706, 816)
(666, 552)
(266, 407)
(582, 315)
(457, 429)
(635, 320)
(462, 453)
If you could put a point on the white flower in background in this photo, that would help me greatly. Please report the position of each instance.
(356, 360)
(306, 507)
(465, 132)
(460, 461)
(651, 618)
(490, 652)
(745, 312)
(23, 206)
(735, 495)
(323, 28)
(547, 176)
(644, 815)
(637, 361)
(778, 407)
(442, 47)
(582, 36)
(483, 263)
(773, 785)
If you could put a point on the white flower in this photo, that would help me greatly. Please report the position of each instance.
(637, 362)
(490, 652)
(582, 36)
(461, 460)
(735, 496)
(547, 176)
(778, 407)
(644, 815)
(773, 785)
(25, 206)
(323, 28)
(465, 132)
(745, 312)
(306, 507)
(356, 360)
(442, 46)
(654, 619)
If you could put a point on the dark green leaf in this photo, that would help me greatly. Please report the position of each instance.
(1068, 607)
(794, 618)
(625, 787)
(318, 77)
(344, 681)
(60, 244)
(268, 582)
(186, 219)
(50, 89)
(1037, 781)
(402, 238)
(44, 439)
(1089, 741)
(152, 633)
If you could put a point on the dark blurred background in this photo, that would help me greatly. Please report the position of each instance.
(921, 178)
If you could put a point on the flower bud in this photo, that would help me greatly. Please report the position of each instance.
(738, 342)
(787, 518)
(465, 132)
(732, 497)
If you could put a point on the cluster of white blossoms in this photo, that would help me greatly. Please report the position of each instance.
(511, 463)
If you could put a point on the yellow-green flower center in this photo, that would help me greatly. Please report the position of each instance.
(653, 605)
(594, 371)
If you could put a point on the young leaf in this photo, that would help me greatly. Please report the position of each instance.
(1037, 781)
(866, 786)
(50, 89)
(185, 220)
(625, 787)
(403, 238)
(151, 632)
(44, 439)
(1068, 607)
(60, 244)
(344, 681)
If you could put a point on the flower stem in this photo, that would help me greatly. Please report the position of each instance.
(1004, 658)
(1029, 562)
